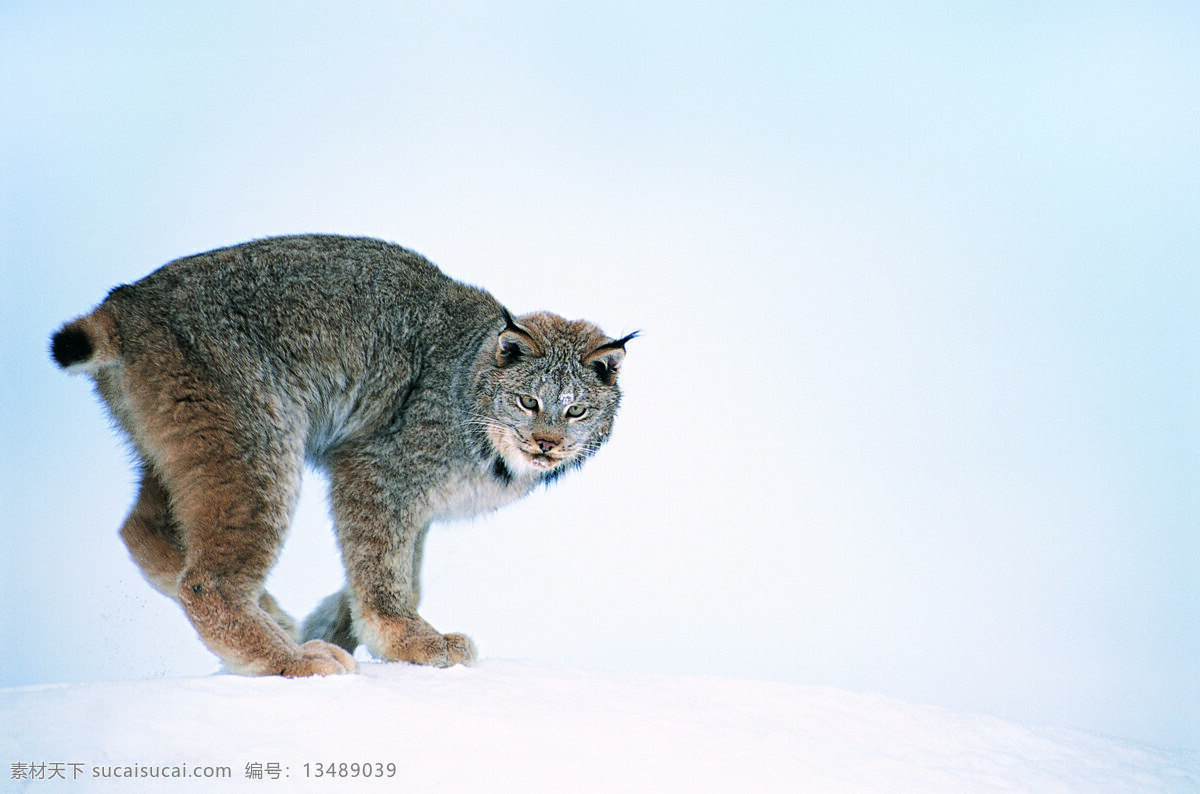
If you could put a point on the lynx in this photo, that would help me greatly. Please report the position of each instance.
(421, 397)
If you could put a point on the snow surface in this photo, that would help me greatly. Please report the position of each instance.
(517, 726)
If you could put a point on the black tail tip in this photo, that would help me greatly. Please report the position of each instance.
(70, 346)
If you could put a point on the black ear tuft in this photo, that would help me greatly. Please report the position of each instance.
(606, 360)
(621, 342)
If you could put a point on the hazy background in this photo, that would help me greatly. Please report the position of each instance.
(915, 409)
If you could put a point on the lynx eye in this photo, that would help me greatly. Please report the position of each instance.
(528, 403)
(576, 411)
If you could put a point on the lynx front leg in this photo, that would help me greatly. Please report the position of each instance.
(380, 533)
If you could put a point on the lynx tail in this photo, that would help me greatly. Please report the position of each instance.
(87, 343)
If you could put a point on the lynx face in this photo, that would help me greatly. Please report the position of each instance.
(548, 398)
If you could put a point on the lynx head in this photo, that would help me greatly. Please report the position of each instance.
(546, 393)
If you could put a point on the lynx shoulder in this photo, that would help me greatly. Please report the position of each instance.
(421, 397)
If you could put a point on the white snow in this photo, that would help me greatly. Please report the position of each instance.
(507, 726)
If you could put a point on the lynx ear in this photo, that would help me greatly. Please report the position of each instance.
(606, 359)
(513, 343)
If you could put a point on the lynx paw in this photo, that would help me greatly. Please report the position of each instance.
(319, 658)
(438, 650)
(415, 641)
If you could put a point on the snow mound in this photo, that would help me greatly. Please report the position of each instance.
(506, 726)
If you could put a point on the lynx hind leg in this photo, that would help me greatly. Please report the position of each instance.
(234, 531)
(232, 543)
(153, 538)
(231, 502)
(277, 613)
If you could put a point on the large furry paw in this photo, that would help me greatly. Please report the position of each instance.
(439, 650)
(319, 658)
(412, 640)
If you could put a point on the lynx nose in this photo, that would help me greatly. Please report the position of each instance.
(545, 444)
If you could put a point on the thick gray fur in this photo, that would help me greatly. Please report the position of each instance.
(420, 397)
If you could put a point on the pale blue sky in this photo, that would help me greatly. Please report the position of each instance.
(916, 406)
